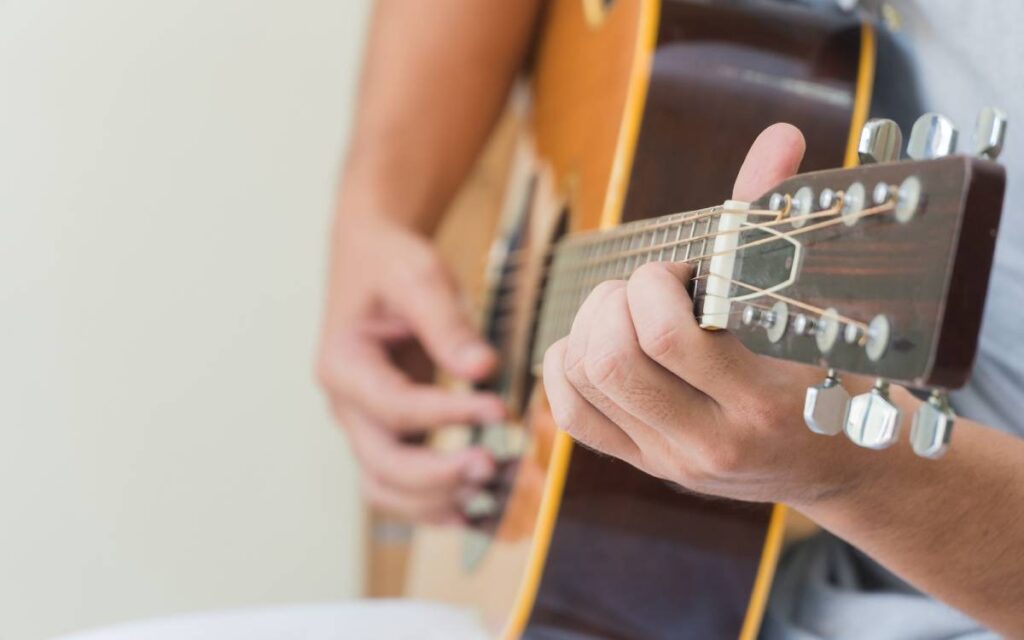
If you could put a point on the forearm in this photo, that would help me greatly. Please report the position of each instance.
(953, 527)
(435, 78)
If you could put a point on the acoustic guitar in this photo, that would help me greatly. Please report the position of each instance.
(623, 148)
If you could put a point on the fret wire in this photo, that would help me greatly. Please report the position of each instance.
(571, 266)
(581, 288)
(631, 227)
(700, 260)
(635, 250)
(631, 255)
(703, 246)
(689, 242)
(606, 267)
(620, 263)
(561, 262)
(675, 246)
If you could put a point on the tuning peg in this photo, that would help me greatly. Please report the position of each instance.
(880, 141)
(873, 421)
(990, 132)
(933, 136)
(825, 406)
(932, 427)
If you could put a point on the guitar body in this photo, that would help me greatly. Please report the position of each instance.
(636, 108)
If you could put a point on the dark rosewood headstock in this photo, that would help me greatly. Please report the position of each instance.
(916, 272)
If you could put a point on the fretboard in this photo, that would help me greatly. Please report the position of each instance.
(582, 261)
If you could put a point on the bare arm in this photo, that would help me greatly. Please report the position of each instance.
(953, 528)
(434, 81)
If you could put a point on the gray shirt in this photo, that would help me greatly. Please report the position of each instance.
(966, 54)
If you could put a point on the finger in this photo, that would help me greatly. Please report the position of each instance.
(415, 468)
(775, 155)
(714, 362)
(605, 373)
(576, 346)
(359, 371)
(432, 509)
(618, 369)
(428, 300)
(577, 416)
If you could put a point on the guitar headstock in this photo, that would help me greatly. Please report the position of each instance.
(879, 270)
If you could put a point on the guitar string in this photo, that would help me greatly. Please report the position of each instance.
(657, 247)
(519, 255)
(504, 290)
(636, 228)
(566, 322)
(791, 301)
(502, 299)
(835, 209)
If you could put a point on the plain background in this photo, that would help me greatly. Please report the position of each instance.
(166, 172)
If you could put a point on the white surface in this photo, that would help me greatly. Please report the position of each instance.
(365, 620)
(166, 171)
(717, 305)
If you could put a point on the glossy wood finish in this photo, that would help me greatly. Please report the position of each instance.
(928, 276)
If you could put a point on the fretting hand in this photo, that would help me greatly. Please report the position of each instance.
(637, 378)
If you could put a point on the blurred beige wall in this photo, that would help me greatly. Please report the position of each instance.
(165, 181)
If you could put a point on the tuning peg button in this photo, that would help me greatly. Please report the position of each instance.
(990, 133)
(880, 141)
(932, 427)
(825, 406)
(873, 420)
(933, 136)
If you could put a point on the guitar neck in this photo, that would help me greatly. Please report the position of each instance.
(582, 261)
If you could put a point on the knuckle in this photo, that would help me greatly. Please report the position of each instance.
(658, 337)
(723, 461)
(553, 358)
(609, 366)
(758, 413)
(689, 473)
(421, 266)
(565, 412)
(574, 367)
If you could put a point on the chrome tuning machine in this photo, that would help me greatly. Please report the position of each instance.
(990, 133)
(933, 136)
(826, 405)
(932, 427)
(873, 421)
(880, 141)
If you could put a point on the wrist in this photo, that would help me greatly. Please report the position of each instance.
(866, 476)
(366, 195)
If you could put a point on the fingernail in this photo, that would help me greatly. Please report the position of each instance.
(479, 470)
